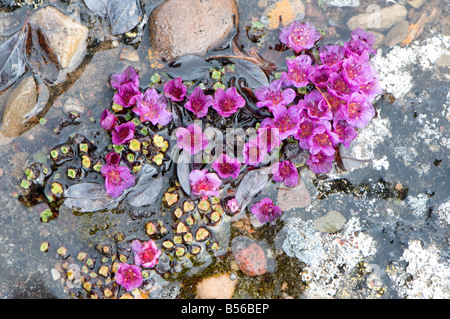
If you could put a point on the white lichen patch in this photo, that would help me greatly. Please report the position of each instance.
(427, 274)
(443, 214)
(395, 67)
(417, 204)
(330, 259)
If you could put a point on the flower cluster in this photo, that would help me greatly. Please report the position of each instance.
(145, 255)
(340, 103)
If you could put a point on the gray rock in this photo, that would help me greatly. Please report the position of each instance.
(296, 197)
(21, 101)
(397, 34)
(378, 19)
(183, 27)
(330, 223)
(343, 3)
(416, 3)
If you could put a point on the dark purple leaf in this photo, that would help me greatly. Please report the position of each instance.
(12, 59)
(124, 15)
(99, 7)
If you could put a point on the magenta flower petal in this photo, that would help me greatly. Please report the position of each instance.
(320, 76)
(129, 276)
(358, 112)
(127, 76)
(345, 131)
(271, 96)
(112, 159)
(299, 71)
(265, 211)
(285, 120)
(314, 108)
(123, 133)
(305, 131)
(191, 139)
(175, 89)
(127, 95)
(204, 183)
(285, 172)
(227, 102)
(117, 179)
(108, 120)
(320, 163)
(145, 255)
(331, 54)
(254, 152)
(363, 36)
(233, 205)
(300, 36)
(323, 140)
(269, 137)
(152, 107)
(226, 166)
(339, 87)
(199, 103)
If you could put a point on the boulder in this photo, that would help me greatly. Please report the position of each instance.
(190, 27)
(378, 19)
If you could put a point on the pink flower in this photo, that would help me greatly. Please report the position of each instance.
(127, 76)
(285, 172)
(363, 36)
(199, 102)
(357, 112)
(145, 255)
(345, 131)
(339, 87)
(300, 36)
(152, 107)
(320, 76)
(314, 108)
(358, 49)
(129, 276)
(269, 137)
(323, 140)
(356, 72)
(331, 54)
(233, 205)
(117, 179)
(127, 95)
(204, 183)
(305, 131)
(371, 88)
(112, 158)
(271, 96)
(175, 89)
(227, 102)
(254, 152)
(108, 120)
(226, 167)
(331, 102)
(265, 211)
(285, 120)
(191, 139)
(299, 70)
(123, 133)
(320, 163)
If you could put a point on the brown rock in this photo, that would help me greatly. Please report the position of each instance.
(289, 198)
(216, 287)
(21, 101)
(378, 19)
(183, 27)
(65, 36)
(397, 34)
(252, 260)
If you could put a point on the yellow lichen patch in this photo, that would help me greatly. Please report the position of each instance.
(285, 11)
(155, 60)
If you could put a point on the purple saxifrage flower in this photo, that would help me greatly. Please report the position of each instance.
(152, 107)
(314, 108)
(175, 89)
(127, 76)
(112, 158)
(129, 276)
(265, 211)
(285, 172)
(356, 72)
(191, 139)
(226, 166)
(331, 54)
(127, 95)
(320, 76)
(339, 87)
(285, 120)
(300, 36)
(271, 96)
(269, 137)
(204, 183)
(363, 36)
(254, 152)
(306, 128)
(233, 205)
(345, 131)
(123, 133)
(299, 70)
(323, 140)
(227, 102)
(357, 112)
(145, 254)
(108, 120)
(320, 163)
(117, 179)
(199, 103)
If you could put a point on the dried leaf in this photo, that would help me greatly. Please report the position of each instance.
(183, 170)
(124, 15)
(251, 184)
(40, 56)
(147, 188)
(99, 7)
(89, 197)
(12, 59)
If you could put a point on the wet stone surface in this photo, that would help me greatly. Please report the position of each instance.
(388, 240)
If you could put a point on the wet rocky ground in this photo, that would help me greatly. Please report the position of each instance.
(378, 229)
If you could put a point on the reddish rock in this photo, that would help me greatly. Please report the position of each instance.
(252, 260)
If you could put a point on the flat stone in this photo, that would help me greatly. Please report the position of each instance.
(283, 12)
(416, 4)
(296, 197)
(65, 36)
(378, 19)
(343, 3)
(185, 27)
(216, 287)
(20, 102)
(397, 34)
(330, 223)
